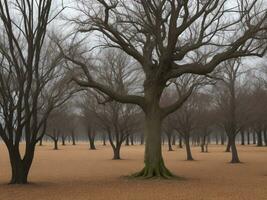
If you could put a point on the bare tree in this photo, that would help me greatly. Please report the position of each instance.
(184, 122)
(258, 111)
(28, 70)
(230, 100)
(88, 118)
(205, 119)
(160, 35)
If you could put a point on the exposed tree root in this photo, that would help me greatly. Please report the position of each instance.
(154, 171)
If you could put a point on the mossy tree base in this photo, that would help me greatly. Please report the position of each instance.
(154, 171)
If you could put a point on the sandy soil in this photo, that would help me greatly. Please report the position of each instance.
(74, 172)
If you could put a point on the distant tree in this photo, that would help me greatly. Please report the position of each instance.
(233, 114)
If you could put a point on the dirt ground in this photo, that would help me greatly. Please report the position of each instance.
(74, 172)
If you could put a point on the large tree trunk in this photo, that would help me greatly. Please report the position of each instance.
(154, 164)
(259, 139)
(187, 146)
(235, 158)
(20, 167)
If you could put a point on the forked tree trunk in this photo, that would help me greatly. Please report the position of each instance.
(20, 167)
(188, 149)
(116, 147)
(116, 152)
(154, 164)
(235, 158)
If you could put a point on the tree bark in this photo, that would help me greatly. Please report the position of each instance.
(235, 158)
(91, 138)
(188, 150)
(116, 153)
(20, 167)
(228, 147)
(203, 144)
(154, 164)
